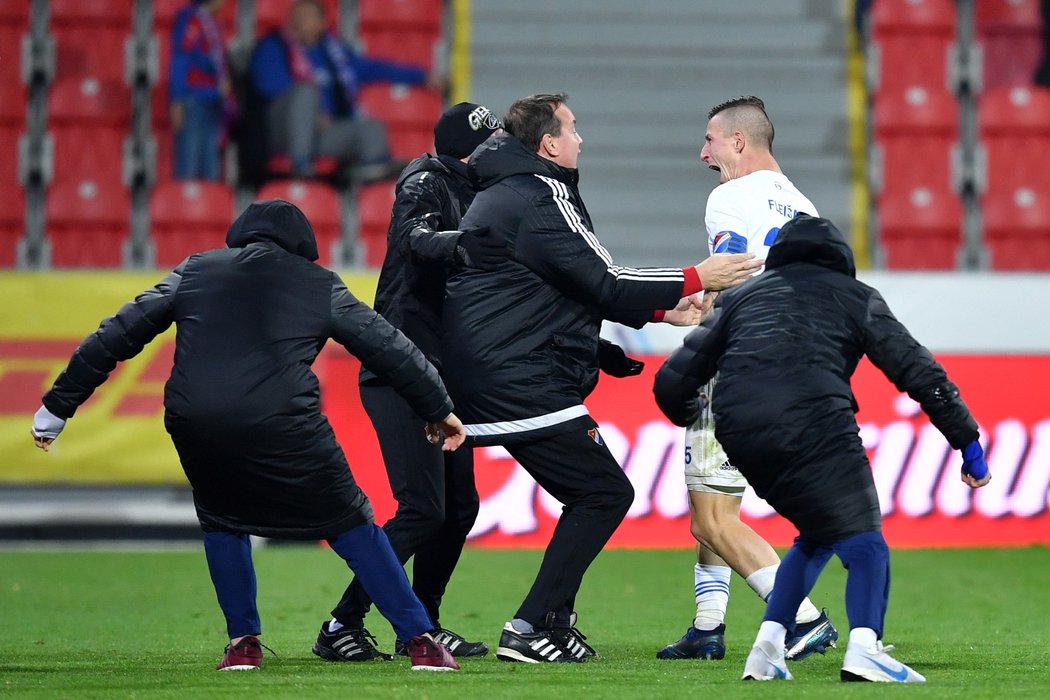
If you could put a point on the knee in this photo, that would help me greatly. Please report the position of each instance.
(422, 515)
(621, 498)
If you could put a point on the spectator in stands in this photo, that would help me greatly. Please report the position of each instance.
(308, 80)
(437, 501)
(200, 91)
(243, 410)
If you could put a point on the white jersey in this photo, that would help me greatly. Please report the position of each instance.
(744, 215)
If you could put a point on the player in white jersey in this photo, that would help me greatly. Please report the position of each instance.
(744, 214)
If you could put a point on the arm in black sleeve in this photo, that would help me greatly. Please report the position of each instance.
(678, 381)
(118, 338)
(554, 242)
(911, 368)
(386, 352)
(632, 318)
(418, 225)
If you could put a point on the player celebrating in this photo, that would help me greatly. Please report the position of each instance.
(744, 214)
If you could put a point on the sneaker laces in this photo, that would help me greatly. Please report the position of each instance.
(257, 641)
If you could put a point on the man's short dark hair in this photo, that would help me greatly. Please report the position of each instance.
(531, 117)
(747, 114)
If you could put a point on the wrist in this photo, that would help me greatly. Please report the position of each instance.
(692, 283)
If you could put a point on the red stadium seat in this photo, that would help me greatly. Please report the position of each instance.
(84, 101)
(907, 162)
(320, 203)
(116, 13)
(402, 106)
(914, 110)
(400, 14)
(1013, 112)
(414, 47)
(273, 14)
(374, 203)
(15, 14)
(12, 202)
(87, 222)
(88, 152)
(920, 228)
(188, 217)
(913, 17)
(165, 165)
(1017, 227)
(903, 60)
(407, 144)
(1007, 15)
(12, 90)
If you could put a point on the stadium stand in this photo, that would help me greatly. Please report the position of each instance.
(12, 196)
(272, 14)
(188, 217)
(409, 114)
(87, 222)
(1014, 125)
(320, 202)
(405, 30)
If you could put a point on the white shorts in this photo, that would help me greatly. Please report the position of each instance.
(707, 468)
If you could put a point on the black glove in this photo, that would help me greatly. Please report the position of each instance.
(482, 248)
(614, 361)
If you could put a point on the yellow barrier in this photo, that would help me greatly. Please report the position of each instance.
(118, 436)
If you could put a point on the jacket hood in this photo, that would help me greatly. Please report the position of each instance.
(276, 221)
(811, 240)
(504, 155)
(427, 163)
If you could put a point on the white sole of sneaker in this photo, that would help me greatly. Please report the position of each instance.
(240, 668)
(433, 668)
(513, 655)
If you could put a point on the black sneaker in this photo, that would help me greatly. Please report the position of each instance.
(697, 644)
(348, 644)
(536, 647)
(574, 641)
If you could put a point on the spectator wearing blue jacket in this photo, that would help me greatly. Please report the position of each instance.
(309, 81)
(199, 91)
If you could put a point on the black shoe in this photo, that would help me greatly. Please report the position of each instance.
(697, 644)
(348, 644)
(811, 638)
(457, 645)
(536, 647)
(574, 641)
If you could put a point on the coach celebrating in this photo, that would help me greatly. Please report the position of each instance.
(525, 339)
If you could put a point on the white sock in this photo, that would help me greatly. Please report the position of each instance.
(864, 636)
(335, 625)
(761, 582)
(522, 626)
(772, 632)
(712, 595)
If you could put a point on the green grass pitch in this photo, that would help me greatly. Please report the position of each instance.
(118, 624)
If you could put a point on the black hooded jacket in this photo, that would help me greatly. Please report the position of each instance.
(433, 193)
(521, 342)
(242, 404)
(785, 345)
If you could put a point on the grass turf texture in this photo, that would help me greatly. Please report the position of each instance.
(146, 624)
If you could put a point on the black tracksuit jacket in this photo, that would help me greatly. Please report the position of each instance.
(785, 345)
(433, 193)
(242, 404)
(520, 343)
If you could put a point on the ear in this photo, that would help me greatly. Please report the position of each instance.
(739, 141)
(549, 145)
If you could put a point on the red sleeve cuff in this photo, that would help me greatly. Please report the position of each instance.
(658, 316)
(692, 283)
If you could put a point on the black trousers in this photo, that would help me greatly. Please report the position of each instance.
(577, 469)
(437, 503)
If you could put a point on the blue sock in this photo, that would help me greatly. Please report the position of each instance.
(367, 552)
(867, 559)
(233, 575)
(796, 576)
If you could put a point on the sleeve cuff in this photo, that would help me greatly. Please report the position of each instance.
(658, 316)
(692, 283)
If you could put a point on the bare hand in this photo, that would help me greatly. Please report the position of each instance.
(449, 433)
(975, 483)
(707, 304)
(724, 271)
(43, 443)
(686, 313)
